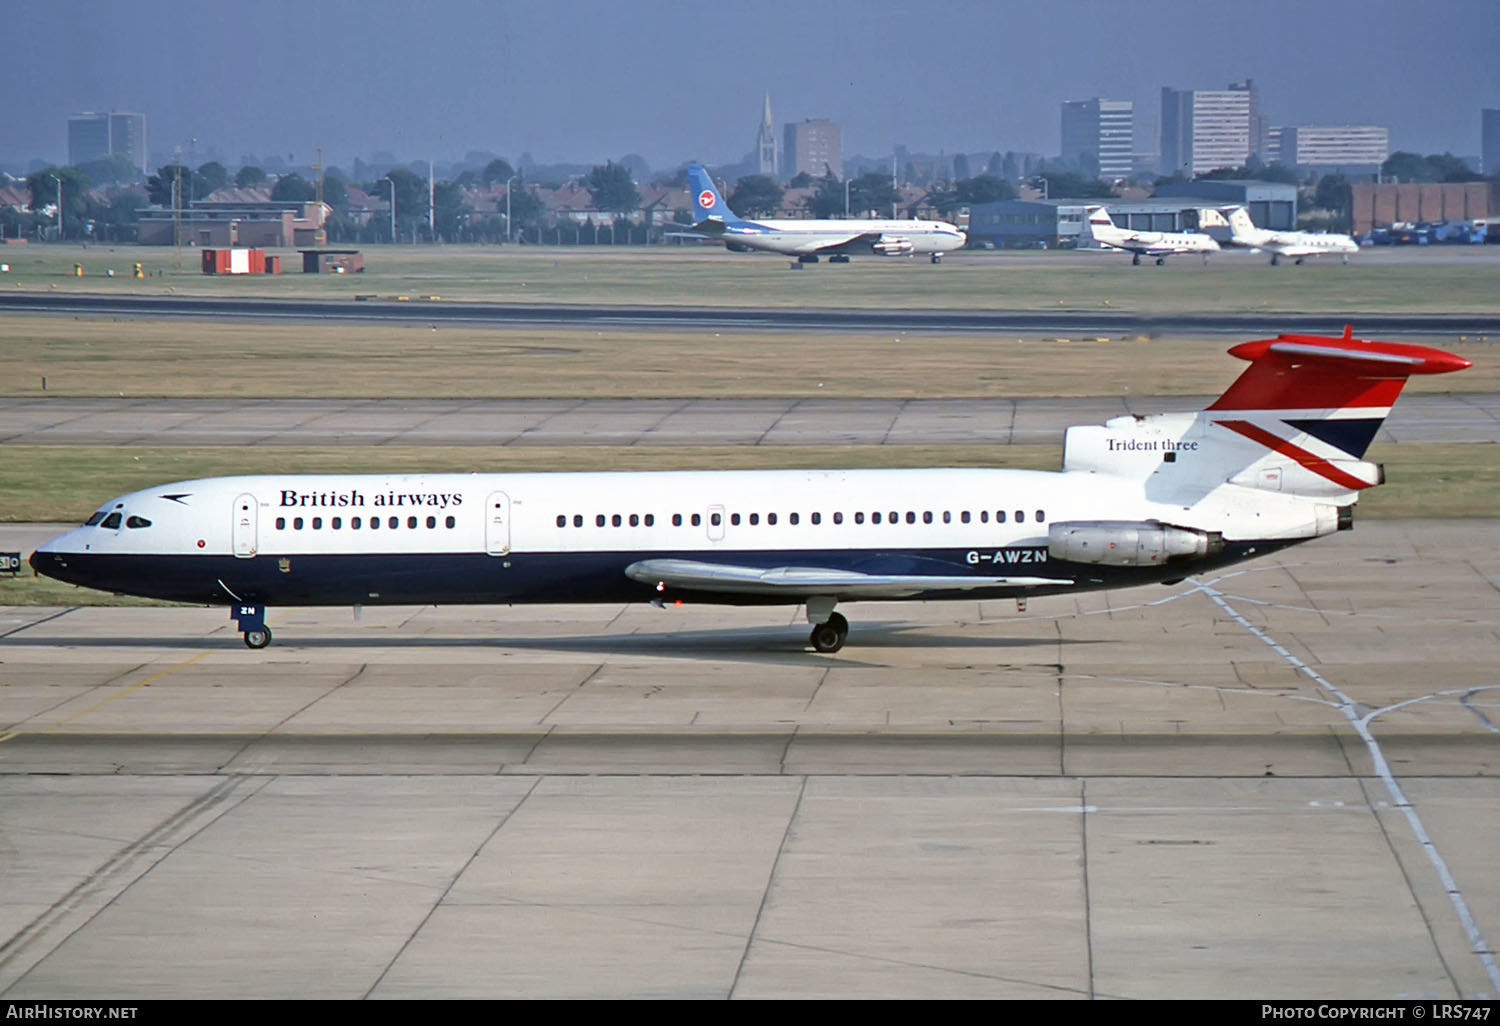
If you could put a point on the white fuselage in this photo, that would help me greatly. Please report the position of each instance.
(1152, 243)
(1243, 232)
(896, 237)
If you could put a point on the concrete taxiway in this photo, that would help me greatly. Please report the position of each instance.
(1455, 417)
(1280, 781)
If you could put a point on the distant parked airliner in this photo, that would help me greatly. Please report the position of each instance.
(809, 240)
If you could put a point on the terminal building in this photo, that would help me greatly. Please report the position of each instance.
(1053, 223)
(268, 224)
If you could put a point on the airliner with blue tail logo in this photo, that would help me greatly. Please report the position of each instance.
(810, 240)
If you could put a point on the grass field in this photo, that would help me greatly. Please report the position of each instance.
(185, 358)
(1406, 280)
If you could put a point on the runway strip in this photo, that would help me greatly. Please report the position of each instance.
(1430, 326)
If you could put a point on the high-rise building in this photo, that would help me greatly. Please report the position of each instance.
(765, 143)
(92, 135)
(1204, 129)
(1348, 148)
(1489, 140)
(1099, 136)
(815, 146)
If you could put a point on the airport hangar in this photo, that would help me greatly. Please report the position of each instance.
(1053, 223)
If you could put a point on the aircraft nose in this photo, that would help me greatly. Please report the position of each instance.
(44, 562)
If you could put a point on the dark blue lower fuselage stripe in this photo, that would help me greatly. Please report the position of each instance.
(476, 578)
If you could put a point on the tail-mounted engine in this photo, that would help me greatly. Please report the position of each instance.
(1128, 542)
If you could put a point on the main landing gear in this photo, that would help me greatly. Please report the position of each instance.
(251, 620)
(937, 258)
(830, 629)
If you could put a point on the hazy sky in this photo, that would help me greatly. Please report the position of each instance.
(586, 80)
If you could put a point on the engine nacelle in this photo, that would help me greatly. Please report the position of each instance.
(1128, 542)
(893, 247)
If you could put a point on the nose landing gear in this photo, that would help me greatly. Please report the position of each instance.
(251, 620)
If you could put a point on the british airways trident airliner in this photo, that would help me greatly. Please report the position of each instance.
(1276, 460)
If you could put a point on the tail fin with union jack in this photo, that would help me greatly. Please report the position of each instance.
(1318, 401)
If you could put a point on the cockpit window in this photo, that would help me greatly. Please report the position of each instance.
(112, 521)
(93, 521)
(135, 521)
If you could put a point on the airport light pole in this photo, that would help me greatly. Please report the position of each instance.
(509, 235)
(846, 198)
(392, 183)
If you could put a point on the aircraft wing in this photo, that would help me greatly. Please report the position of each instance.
(693, 575)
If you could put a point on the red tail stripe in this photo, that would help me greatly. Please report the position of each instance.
(1317, 464)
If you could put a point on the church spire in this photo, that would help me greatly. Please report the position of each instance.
(765, 143)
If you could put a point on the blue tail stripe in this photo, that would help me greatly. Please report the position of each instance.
(1352, 436)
